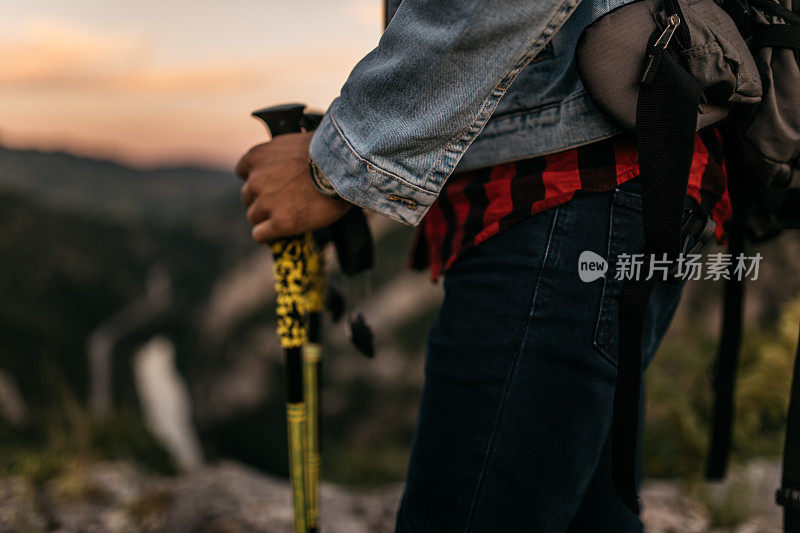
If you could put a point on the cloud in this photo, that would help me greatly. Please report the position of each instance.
(47, 51)
(54, 55)
(368, 12)
(139, 95)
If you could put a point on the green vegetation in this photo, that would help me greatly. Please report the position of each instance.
(77, 250)
(680, 395)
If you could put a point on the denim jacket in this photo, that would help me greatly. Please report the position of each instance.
(436, 95)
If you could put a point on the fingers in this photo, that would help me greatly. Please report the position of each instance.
(257, 213)
(244, 165)
(265, 232)
(274, 227)
(248, 194)
(249, 160)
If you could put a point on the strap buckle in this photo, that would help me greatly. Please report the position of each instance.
(788, 498)
(697, 229)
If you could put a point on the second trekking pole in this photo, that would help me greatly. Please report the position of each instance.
(292, 258)
(312, 361)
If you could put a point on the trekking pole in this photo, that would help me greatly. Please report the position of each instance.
(312, 361)
(312, 356)
(300, 287)
(292, 257)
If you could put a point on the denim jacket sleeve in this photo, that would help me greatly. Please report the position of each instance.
(413, 105)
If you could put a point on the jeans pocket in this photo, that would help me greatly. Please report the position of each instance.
(625, 236)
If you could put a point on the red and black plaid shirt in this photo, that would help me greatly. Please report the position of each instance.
(475, 205)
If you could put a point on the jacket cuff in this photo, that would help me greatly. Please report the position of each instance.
(360, 182)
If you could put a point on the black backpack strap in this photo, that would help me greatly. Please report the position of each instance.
(790, 209)
(724, 372)
(788, 496)
(666, 118)
(633, 302)
(791, 16)
(776, 36)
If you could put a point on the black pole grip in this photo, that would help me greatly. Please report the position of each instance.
(350, 234)
(280, 119)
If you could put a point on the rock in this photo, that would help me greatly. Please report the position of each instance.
(18, 510)
(231, 498)
(746, 497)
(666, 509)
(227, 497)
(95, 499)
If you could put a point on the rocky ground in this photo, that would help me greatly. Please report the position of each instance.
(229, 497)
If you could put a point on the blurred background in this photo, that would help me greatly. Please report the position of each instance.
(141, 383)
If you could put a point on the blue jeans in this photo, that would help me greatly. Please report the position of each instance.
(515, 416)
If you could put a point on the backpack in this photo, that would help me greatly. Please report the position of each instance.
(762, 154)
(665, 69)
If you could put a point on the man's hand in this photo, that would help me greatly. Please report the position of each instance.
(280, 197)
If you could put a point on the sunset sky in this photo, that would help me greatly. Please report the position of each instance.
(152, 82)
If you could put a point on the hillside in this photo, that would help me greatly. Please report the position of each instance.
(108, 189)
(82, 241)
(79, 240)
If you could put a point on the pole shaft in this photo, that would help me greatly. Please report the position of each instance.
(311, 361)
(289, 265)
(296, 421)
